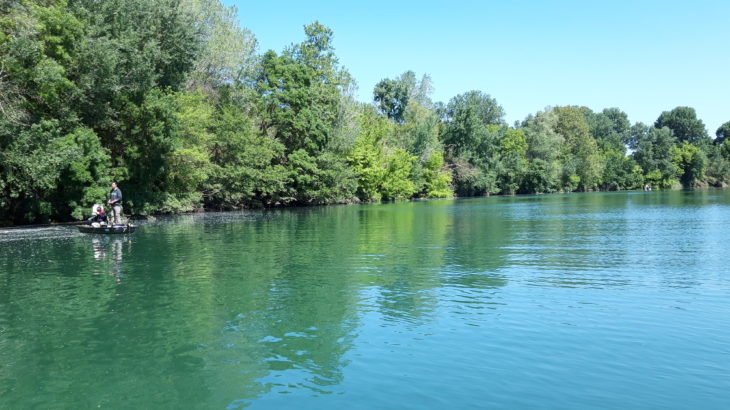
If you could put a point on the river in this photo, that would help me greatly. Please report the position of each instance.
(578, 301)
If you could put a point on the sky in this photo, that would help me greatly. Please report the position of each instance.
(642, 56)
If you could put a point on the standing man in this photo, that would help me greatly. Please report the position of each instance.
(115, 201)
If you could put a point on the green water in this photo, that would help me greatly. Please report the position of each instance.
(565, 302)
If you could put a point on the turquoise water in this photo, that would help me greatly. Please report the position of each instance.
(617, 301)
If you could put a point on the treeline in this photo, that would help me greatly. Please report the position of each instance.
(171, 99)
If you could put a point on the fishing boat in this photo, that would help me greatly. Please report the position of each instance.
(107, 229)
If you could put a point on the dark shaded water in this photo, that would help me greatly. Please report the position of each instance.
(566, 302)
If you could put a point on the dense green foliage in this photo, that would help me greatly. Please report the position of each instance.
(172, 99)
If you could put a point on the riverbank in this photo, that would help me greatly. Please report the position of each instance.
(153, 217)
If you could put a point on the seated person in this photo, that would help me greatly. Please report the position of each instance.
(98, 216)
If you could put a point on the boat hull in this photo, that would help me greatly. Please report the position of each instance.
(107, 230)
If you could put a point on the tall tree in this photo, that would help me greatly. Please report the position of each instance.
(684, 124)
(544, 148)
(581, 160)
(654, 154)
(718, 164)
(301, 96)
(513, 150)
(227, 51)
(300, 91)
(691, 163)
(471, 133)
(723, 133)
(391, 97)
(611, 129)
(468, 117)
(247, 168)
(50, 164)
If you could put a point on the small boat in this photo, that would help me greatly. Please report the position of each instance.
(107, 229)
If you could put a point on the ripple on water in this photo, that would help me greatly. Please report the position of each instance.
(573, 301)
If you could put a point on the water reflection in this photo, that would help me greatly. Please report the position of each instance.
(278, 300)
(98, 248)
(101, 246)
(117, 258)
(230, 310)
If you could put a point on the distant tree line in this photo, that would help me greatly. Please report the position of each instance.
(171, 99)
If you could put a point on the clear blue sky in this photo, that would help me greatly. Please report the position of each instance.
(643, 56)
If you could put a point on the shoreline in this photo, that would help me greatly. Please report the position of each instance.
(286, 207)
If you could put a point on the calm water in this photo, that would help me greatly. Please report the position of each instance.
(617, 301)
